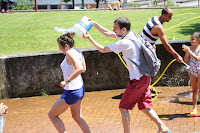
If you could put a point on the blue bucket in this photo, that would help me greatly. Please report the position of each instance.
(85, 23)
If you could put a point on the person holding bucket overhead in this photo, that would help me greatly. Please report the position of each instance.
(72, 66)
(137, 90)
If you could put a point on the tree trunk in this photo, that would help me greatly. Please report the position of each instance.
(97, 5)
(82, 7)
(73, 4)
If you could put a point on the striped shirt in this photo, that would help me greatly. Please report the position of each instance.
(146, 33)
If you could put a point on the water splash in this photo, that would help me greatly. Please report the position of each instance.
(80, 28)
(177, 78)
(189, 84)
(187, 66)
(63, 30)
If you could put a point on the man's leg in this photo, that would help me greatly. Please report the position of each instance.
(125, 120)
(153, 116)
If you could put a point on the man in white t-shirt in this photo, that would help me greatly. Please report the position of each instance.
(137, 90)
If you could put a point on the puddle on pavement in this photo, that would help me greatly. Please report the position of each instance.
(181, 95)
(187, 94)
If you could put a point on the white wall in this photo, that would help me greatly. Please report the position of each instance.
(57, 2)
(48, 3)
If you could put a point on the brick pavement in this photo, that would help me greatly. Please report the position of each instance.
(100, 110)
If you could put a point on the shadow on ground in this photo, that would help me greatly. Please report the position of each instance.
(189, 29)
(184, 94)
(173, 116)
(187, 94)
(186, 103)
(118, 96)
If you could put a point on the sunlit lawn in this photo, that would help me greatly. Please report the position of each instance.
(34, 31)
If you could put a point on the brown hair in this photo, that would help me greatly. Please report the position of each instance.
(197, 35)
(66, 38)
(123, 22)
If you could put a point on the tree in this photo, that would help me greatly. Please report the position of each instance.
(97, 1)
(82, 4)
(69, 1)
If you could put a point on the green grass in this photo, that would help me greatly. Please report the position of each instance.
(34, 32)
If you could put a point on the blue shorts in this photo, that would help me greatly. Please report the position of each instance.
(73, 96)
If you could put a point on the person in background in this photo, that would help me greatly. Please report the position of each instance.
(3, 111)
(154, 29)
(192, 55)
(88, 6)
(72, 67)
(137, 90)
(4, 6)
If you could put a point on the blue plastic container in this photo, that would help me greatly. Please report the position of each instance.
(85, 23)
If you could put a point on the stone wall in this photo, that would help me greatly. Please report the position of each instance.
(31, 74)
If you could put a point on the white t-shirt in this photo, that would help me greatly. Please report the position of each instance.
(131, 50)
(68, 69)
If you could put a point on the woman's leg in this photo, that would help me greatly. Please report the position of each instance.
(125, 120)
(58, 108)
(194, 84)
(154, 117)
(76, 114)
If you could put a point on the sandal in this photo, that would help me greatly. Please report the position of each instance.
(165, 132)
(194, 113)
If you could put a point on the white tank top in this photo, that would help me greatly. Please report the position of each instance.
(68, 69)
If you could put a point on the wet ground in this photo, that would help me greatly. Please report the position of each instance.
(100, 110)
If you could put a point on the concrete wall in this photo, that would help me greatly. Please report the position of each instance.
(176, 74)
(31, 74)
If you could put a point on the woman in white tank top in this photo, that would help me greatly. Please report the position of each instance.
(72, 67)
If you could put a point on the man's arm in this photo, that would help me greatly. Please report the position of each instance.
(103, 30)
(161, 33)
(101, 48)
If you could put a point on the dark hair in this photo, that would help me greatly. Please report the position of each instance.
(66, 38)
(165, 10)
(197, 35)
(123, 22)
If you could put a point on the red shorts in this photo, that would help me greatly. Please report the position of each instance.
(137, 91)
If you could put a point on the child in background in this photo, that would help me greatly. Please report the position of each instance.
(192, 54)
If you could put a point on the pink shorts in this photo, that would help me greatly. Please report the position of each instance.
(137, 91)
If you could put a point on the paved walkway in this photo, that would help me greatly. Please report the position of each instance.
(100, 110)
